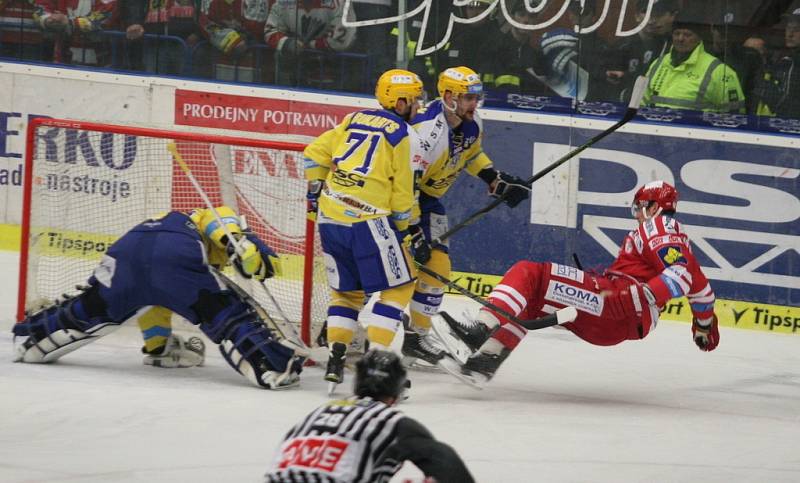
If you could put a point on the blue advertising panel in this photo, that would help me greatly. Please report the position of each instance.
(739, 203)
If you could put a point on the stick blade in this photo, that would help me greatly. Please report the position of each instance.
(638, 92)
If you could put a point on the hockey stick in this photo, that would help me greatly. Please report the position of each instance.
(285, 329)
(567, 314)
(630, 113)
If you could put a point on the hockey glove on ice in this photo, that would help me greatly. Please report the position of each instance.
(512, 189)
(706, 333)
(420, 247)
(627, 302)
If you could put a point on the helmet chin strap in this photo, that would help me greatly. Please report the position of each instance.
(451, 108)
(655, 214)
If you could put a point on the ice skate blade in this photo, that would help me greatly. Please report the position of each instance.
(473, 380)
(332, 388)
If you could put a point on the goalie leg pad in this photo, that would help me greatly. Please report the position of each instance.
(255, 354)
(250, 348)
(62, 328)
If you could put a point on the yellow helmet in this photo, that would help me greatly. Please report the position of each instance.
(397, 84)
(210, 227)
(460, 80)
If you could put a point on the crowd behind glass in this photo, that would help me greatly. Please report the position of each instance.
(741, 52)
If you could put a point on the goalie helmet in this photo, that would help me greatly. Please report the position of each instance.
(660, 192)
(460, 80)
(210, 227)
(397, 84)
(379, 374)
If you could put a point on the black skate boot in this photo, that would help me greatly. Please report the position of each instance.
(472, 333)
(334, 374)
(484, 364)
(419, 346)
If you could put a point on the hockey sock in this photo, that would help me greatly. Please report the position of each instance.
(384, 319)
(429, 291)
(156, 326)
(343, 315)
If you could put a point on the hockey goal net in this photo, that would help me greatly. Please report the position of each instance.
(86, 184)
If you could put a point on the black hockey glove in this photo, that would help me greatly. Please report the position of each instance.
(312, 198)
(420, 247)
(513, 190)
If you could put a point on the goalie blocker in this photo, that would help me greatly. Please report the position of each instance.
(162, 262)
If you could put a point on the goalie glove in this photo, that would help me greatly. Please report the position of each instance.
(706, 333)
(511, 189)
(419, 246)
(255, 258)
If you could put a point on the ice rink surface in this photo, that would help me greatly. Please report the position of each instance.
(559, 410)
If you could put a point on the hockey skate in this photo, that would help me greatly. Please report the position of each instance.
(417, 346)
(177, 353)
(334, 373)
(479, 368)
(460, 339)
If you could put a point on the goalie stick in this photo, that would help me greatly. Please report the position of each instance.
(630, 113)
(285, 329)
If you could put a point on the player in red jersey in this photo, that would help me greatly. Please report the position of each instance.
(655, 264)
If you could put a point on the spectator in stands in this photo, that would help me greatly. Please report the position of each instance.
(653, 41)
(574, 61)
(307, 34)
(176, 18)
(476, 43)
(20, 36)
(375, 40)
(688, 77)
(728, 45)
(76, 26)
(519, 65)
(232, 27)
(779, 90)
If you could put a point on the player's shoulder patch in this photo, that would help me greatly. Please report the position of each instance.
(670, 224)
(671, 255)
(637, 240)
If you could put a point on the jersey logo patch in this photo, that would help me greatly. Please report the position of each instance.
(318, 453)
(671, 255)
(579, 298)
(565, 271)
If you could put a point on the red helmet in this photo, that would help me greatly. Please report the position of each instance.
(660, 192)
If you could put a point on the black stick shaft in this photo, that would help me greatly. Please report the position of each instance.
(630, 113)
(533, 324)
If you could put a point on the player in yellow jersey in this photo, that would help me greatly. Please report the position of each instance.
(361, 179)
(450, 131)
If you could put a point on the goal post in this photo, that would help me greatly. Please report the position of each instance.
(88, 183)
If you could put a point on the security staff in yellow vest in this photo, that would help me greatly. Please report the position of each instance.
(688, 77)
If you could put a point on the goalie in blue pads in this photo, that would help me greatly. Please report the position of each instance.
(165, 265)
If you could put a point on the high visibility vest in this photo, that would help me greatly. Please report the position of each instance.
(702, 82)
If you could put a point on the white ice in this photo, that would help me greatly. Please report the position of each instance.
(559, 410)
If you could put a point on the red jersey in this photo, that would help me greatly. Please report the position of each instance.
(659, 254)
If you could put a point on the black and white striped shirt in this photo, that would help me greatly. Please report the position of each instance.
(342, 441)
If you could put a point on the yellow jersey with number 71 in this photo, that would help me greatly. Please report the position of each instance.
(366, 163)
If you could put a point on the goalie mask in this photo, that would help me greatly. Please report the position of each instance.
(379, 374)
(661, 193)
(211, 228)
